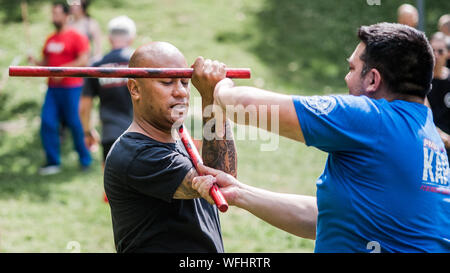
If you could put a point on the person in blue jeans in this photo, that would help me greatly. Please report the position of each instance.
(62, 103)
(65, 47)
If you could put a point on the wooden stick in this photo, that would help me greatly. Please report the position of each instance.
(114, 72)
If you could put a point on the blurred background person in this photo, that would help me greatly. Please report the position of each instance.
(65, 47)
(85, 24)
(447, 43)
(444, 24)
(439, 96)
(116, 109)
(444, 27)
(408, 15)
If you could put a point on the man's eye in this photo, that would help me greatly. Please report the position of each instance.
(185, 83)
(166, 82)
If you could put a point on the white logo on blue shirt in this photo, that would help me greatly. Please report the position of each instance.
(320, 105)
(435, 168)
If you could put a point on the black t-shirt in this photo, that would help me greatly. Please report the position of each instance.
(141, 176)
(116, 109)
(439, 98)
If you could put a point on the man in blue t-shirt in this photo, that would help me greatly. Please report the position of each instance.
(385, 186)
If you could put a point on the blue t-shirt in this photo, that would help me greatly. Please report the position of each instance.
(385, 186)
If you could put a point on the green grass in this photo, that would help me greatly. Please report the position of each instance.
(294, 47)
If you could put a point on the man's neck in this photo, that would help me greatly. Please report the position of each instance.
(118, 46)
(390, 96)
(405, 97)
(440, 72)
(61, 29)
(119, 42)
(139, 125)
(77, 17)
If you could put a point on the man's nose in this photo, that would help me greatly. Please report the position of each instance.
(346, 78)
(180, 90)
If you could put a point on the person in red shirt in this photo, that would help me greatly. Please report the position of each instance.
(65, 47)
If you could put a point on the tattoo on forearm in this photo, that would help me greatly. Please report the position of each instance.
(216, 153)
(185, 190)
(220, 153)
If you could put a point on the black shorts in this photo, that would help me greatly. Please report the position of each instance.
(106, 147)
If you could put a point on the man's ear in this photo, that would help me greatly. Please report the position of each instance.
(372, 80)
(133, 88)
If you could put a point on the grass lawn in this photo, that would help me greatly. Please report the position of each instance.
(293, 47)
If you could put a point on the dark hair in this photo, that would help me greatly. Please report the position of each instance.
(84, 6)
(63, 4)
(401, 54)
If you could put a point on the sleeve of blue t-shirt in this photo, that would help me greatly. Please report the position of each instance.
(158, 172)
(338, 123)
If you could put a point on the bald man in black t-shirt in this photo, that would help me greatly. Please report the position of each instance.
(148, 174)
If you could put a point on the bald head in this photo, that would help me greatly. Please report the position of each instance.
(158, 102)
(408, 15)
(444, 24)
(158, 55)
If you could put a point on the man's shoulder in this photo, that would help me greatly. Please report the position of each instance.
(51, 36)
(70, 31)
(114, 58)
(125, 150)
(136, 155)
(118, 56)
(72, 35)
(340, 103)
(138, 145)
(438, 84)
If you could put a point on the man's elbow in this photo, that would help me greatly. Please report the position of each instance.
(85, 106)
(305, 218)
(311, 234)
(83, 60)
(306, 230)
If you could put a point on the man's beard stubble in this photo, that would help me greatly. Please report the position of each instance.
(57, 25)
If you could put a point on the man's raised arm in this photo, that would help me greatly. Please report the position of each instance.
(218, 151)
(245, 99)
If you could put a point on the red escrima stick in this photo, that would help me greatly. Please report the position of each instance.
(215, 193)
(114, 72)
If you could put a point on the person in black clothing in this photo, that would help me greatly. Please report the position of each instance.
(444, 24)
(148, 174)
(444, 27)
(439, 96)
(116, 109)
